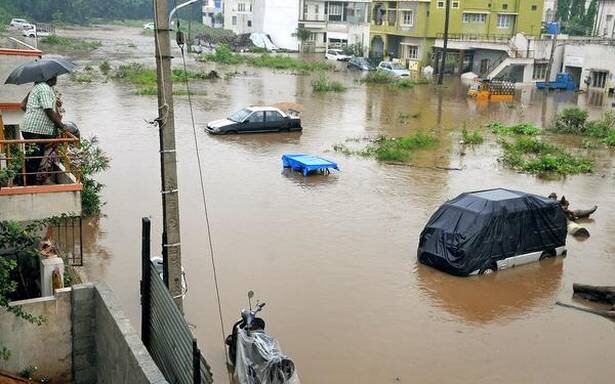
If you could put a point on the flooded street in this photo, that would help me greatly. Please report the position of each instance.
(334, 256)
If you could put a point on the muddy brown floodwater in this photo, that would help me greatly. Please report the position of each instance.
(335, 257)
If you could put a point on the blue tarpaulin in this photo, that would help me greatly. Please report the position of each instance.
(307, 163)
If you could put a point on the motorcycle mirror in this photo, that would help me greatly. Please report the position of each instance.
(250, 296)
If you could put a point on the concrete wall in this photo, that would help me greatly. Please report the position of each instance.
(37, 206)
(278, 19)
(48, 346)
(86, 339)
(591, 57)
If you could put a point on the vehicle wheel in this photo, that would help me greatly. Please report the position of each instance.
(231, 132)
(285, 130)
(547, 254)
(488, 270)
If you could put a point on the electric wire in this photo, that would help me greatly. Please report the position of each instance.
(204, 197)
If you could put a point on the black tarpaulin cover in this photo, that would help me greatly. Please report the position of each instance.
(476, 229)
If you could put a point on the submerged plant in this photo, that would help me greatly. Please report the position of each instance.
(526, 129)
(324, 84)
(571, 120)
(471, 137)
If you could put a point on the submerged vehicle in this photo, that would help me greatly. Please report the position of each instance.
(562, 80)
(485, 231)
(257, 119)
(393, 68)
(336, 54)
(494, 90)
(360, 63)
(256, 356)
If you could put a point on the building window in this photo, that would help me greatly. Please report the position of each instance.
(316, 9)
(504, 6)
(540, 71)
(335, 12)
(440, 4)
(305, 9)
(479, 18)
(234, 22)
(505, 21)
(455, 5)
(249, 23)
(412, 52)
(244, 7)
(534, 7)
(599, 79)
(407, 18)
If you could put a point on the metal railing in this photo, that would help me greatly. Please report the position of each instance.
(66, 233)
(482, 37)
(59, 153)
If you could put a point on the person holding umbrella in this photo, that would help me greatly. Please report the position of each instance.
(41, 119)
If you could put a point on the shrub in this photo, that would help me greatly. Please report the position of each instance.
(610, 138)
(526, 129)
(534, 156)
(471, 137)
(104, 67)
(399, 149)
(323, 84)
(570, 120)
(223, 55)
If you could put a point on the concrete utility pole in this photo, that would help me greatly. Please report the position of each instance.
(445, 45)
(171, 245)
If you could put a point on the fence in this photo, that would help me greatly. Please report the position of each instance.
(164, 331)
(67, 236)
(18, 157)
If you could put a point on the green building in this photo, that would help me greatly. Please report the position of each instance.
(412, 30)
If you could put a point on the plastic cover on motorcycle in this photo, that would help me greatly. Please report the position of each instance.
(260, 360)
(476, 229)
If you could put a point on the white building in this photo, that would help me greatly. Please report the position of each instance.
(335, 23)
(276, 18)
(211, 8)
(604, 25)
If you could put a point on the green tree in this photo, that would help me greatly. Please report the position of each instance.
(590, 15)
(563, 10)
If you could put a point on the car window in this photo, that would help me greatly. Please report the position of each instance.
(332, 53)
(273, 116)
(240, 116)
(257, 117)
(386, 65)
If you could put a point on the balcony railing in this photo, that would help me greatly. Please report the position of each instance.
(60, 154)
(481, 37)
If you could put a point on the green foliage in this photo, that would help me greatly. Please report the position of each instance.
(18, 255)
(81, 77)
(526, 129)
(323, 84)
(400, 149)
(534, 156)
(12, 168)
(570, 120)
(394, 83)
(303, 34)
(70, 43)
(353, 50)
(610, 138)
(224, 55)
(104, 67)
(89, 159)
(471, 137)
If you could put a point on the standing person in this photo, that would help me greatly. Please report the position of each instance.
(41, 121)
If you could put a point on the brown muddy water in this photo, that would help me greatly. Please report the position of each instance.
(335, 257)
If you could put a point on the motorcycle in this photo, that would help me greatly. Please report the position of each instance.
(256, 356)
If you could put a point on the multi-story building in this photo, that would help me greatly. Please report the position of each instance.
(412, 30)
(335, 24)
(604, 25)
(276, 18)
(212, 8)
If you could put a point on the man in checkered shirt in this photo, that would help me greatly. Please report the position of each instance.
(41, 121)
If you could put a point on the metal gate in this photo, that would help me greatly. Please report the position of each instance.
(164, 331)
(68, 238)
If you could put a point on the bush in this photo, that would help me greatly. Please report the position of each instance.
(380, 77)
(104, 67)
(533, 156)
(399, 149)
(471, 137)
(610, 138)
(223, 55)
(323, 84)
(90, 159)
(570, 120)
(526, 129)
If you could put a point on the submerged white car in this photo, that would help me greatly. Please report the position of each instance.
(392, 68)
(336, 54)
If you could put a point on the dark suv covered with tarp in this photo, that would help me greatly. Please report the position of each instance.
(483, 231)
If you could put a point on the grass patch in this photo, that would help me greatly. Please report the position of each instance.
(324, 84)
(104, 67)
(153, 91)
(71, 43)
(471, 137)
(394, 83)
(224, 55)
(526, 129)
(392, 149)
(138, 74)
(82, 77)
(531, 155)
(570, 120)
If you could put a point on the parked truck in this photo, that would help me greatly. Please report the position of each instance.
(562, 81)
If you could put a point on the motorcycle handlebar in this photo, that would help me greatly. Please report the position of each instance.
(260, 306)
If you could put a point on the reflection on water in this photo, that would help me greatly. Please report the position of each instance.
(335, 256)
(511, 294)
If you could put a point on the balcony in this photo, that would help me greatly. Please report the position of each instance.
(27, 194)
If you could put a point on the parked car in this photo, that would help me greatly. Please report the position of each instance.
(18, 23)
(486, 231)
(395, 69)
(336, 54)
(149, 26)
(360, 63)
(257, 119)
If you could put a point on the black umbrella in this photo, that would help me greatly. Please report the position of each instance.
(39, 70)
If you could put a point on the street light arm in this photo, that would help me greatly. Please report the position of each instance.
(172, 13)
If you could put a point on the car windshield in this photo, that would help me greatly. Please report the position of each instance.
(397, 66)
(240, 116)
